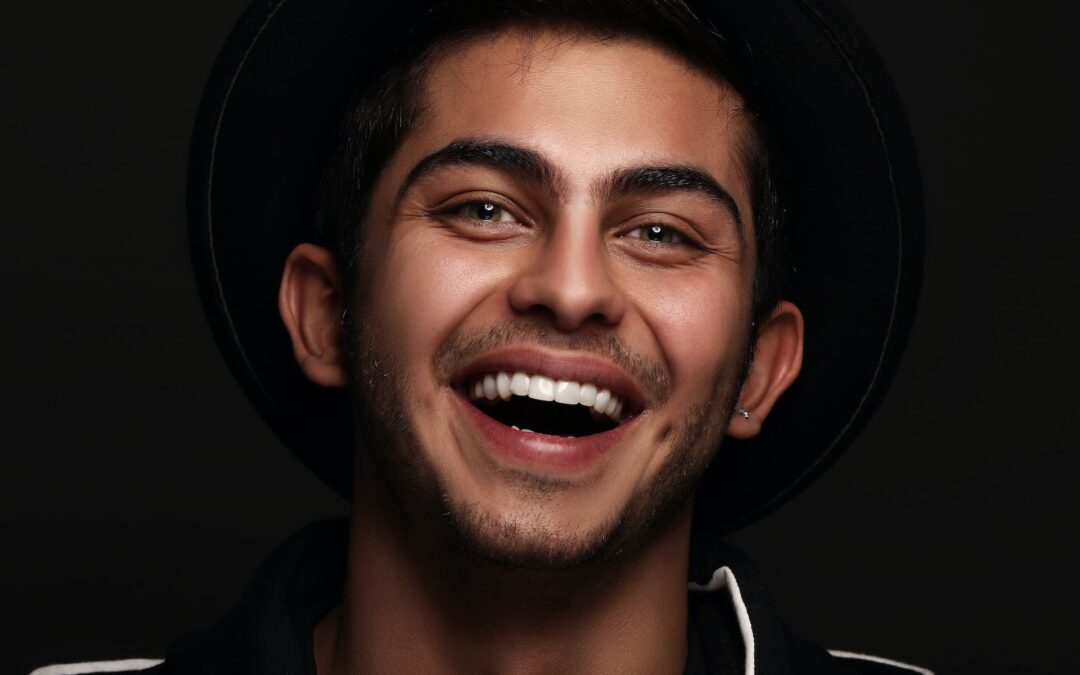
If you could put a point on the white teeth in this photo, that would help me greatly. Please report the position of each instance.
(541, 388)
(502, 383)
(611, 406)
(490, 391)
(519, 384)
(587, 396)
(505, 385)
(602, 398)
(567, 392)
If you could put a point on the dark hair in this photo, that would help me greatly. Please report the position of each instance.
(382, 113)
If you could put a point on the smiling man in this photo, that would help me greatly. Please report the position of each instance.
(517, 253)
(553, 315)
(545, 270)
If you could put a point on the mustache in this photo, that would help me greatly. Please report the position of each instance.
(651, 374)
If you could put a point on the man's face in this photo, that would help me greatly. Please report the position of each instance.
(568, 218)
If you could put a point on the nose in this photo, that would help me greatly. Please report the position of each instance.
(569, 280)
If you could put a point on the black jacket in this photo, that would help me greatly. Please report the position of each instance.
(732, 630)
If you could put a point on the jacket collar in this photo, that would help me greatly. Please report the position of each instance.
(728, 581)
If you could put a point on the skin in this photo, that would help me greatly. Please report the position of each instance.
(460, 559)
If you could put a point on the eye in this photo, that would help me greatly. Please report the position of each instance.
(486, 211)
(660, 234)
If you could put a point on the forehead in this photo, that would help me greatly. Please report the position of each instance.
(589, 104)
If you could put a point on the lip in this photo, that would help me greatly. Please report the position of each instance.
(575, 367)
(535, 451)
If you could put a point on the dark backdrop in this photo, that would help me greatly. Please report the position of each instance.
(139, 489)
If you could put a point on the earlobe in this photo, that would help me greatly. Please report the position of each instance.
(777, 361)
(310, 300)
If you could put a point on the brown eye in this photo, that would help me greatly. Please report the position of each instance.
(657, 233)
(487, 211)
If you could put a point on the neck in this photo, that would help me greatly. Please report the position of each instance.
(411, 606)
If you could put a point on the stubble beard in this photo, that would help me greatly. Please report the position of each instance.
(421, 500)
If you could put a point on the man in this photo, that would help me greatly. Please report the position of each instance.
(545, 333)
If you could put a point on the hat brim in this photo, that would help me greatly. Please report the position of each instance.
(269, 120)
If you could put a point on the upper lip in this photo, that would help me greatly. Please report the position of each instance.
(572, 366)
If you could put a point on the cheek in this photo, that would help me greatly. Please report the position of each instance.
(700, 327)
(428, 287)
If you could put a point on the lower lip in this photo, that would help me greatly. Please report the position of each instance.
(533, 450)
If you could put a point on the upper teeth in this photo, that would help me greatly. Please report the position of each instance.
(503, 385)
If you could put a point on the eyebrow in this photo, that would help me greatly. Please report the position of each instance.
(530, 166)
(521, 163)
(670, 179)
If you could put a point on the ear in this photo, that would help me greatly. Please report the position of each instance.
(311, 301)
(777, 361)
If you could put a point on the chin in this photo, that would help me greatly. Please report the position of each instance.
(530, 540)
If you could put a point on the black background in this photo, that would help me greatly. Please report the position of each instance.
(138, 489)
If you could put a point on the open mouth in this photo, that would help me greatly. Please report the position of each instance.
(535, 403)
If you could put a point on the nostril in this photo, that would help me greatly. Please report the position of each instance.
(542, 312)
(565, 321)
(568, 306)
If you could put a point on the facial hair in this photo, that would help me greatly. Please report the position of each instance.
(420, 497)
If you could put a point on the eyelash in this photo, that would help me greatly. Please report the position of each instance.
(674, 236)
(462, 209)
(491, 209)
(664, 232)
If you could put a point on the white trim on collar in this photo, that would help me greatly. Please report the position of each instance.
(724, 579)
(877, 659)
(122, 666)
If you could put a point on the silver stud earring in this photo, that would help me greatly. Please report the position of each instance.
(742, 413)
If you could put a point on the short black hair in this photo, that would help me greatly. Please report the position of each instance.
(382, 113)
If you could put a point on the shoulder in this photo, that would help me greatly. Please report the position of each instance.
(811, 659)
(876, 665)
(807, 657)
(731, 610)
(122, 666)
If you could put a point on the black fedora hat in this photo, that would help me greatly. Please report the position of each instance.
(269, 120)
